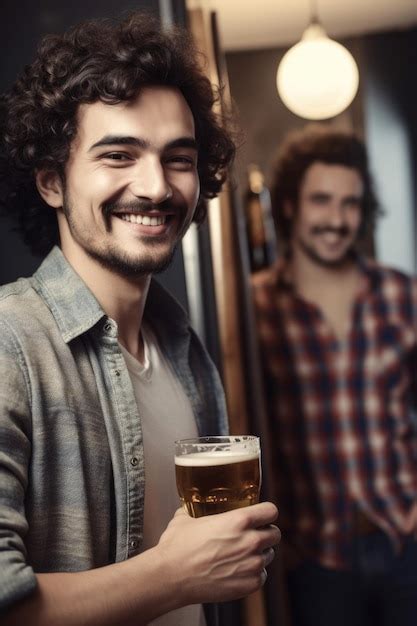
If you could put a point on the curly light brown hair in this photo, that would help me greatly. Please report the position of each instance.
(302, 148)
(107, 61)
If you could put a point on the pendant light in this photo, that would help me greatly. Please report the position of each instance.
(318, 77)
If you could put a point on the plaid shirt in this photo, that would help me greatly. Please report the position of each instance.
(342, 413)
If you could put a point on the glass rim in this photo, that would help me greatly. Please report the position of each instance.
(219, 439)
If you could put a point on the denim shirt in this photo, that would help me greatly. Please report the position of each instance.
(72, 475)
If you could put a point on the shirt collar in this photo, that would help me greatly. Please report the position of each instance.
(72, 304)
(75, 308)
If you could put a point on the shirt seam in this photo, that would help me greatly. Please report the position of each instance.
(21, 359)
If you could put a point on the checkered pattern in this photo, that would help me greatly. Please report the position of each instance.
(342, 413)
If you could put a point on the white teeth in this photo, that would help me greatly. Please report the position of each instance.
(146, 220)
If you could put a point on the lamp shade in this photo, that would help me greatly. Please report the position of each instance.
(317, 78)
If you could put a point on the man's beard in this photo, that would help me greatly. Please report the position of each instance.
(116, 260)
(311, 253)
(121, 264)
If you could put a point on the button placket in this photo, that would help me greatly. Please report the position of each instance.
(133, 544)
(131, 442)
(128, 435)
(110, 328)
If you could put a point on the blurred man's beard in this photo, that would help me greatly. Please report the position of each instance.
(311, 253)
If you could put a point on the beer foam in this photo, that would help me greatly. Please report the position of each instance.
(201, 459)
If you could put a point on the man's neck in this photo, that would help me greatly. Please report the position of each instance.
(333, 290)
(122, 298)
(309, 275)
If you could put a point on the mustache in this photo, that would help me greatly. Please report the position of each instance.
(342, 231)
(136, 206)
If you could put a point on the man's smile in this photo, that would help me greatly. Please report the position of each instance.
(146, 220)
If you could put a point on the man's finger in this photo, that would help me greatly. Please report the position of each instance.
(269, 556)
(259, 515)
(270, 536)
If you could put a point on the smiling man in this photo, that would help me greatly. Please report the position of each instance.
(339, 351)
(139, 183)
(110, 148)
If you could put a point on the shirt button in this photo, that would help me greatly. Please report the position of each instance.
(134, 461)
(108, 327)
(133, 544)
(117, 372)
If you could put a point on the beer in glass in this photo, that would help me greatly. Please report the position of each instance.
(217, 474)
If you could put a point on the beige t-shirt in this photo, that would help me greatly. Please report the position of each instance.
(166, 415)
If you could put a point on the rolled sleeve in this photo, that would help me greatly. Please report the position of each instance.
(17, 578)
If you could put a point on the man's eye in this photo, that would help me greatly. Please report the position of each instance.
(116, 156)
(181, 162)
(353, 203)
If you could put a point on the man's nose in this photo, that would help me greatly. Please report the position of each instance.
(336, 214)
(150, 181)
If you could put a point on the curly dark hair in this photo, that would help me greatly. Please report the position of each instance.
(302, 148)
(102, 60)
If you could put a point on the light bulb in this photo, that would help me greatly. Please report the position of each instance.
(317, 78)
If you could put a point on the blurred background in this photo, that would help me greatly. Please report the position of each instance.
(382, 37)
(244, 42)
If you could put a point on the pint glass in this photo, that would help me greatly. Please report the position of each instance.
(217, 474)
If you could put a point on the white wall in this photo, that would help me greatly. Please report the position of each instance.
(390, 159)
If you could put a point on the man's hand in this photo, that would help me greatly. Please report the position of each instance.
(220, 557)
(215, 558)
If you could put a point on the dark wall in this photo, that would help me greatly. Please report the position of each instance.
(24, 22)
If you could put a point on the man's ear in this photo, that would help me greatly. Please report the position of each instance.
(49, 185)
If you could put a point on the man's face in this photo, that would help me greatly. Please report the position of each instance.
(328, 217)
(131, 182)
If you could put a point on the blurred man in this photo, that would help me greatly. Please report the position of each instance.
(338, 341)
(109, 149)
